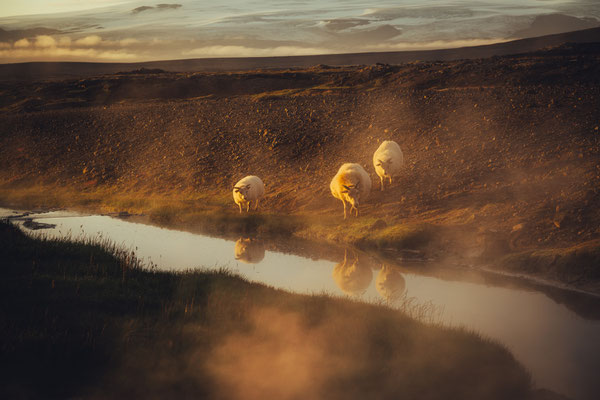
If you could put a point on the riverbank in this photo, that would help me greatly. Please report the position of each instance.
(502, 154)
(93, 314)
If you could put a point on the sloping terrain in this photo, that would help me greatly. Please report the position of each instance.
(502, 154)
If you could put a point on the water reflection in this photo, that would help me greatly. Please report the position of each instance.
(558, 346)
(249, 250)
(390, 283)
(353, 275)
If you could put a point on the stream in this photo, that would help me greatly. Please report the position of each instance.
(554, 333)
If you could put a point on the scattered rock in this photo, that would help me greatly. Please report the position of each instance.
(29, 223)
(379, 224)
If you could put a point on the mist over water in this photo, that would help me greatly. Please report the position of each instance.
(139, 30)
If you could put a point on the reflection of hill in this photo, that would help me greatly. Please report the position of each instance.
(249, 251)
(584, 305)
(353, 276)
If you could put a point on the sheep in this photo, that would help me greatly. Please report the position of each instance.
(388, 160)
(352, 276)
(350, 184)
(390, 283)
(247, 190)
(249, 251)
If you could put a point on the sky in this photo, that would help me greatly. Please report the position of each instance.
(10, 8)
(134, 30)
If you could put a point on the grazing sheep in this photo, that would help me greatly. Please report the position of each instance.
(350, 184)
(388, 160)
(249, 251)
(247, 190)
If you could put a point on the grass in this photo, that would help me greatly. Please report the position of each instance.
(215, 213)
(571, 264)
(91, 318)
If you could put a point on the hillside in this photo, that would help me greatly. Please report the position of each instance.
(502, 153)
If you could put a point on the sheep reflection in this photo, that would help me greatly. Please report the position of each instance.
(353, 276)
(249, 251)
(390, 283)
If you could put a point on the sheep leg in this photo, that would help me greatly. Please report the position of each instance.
(390, 180)
(240, 205)
(356, 209)
(256, 205)
(248, 207)
(343, 202)
(382, 186)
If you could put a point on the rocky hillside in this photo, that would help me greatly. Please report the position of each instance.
(504, 150)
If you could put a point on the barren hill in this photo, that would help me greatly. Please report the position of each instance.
(502, 153)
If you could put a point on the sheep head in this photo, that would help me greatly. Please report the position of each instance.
(352, 194)
(385, 165)
(243, 191)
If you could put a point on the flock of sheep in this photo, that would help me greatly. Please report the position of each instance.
(350, 184)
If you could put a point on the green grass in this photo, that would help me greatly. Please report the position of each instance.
(87, 320)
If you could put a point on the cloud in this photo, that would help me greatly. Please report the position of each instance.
(159, 7)
(243, 51)
(62, 54)
(22, 43)
(64, 41)
(128, 42)
(91, 40)
(433, 45)
(45, 41)
(88, 48)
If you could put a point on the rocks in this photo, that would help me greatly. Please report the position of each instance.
(377, 225)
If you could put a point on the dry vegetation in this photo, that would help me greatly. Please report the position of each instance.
(502, 153)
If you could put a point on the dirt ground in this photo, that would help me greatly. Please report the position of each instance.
(501, 154)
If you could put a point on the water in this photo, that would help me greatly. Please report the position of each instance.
(553, 340)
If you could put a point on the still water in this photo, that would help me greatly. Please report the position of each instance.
(559, 346)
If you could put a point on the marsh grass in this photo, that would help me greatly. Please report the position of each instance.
(91, 317)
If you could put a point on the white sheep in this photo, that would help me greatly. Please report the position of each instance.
(390, 283)
(247, 190)
(249, 251)
(352, 276)
(350, 184)
(388, 161)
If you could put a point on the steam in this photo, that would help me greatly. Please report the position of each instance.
(281, 358)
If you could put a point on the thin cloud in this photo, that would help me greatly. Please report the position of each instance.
(435, 44)
(243, 51)
(128, 42)
(62, 54)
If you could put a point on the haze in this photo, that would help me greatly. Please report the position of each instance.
(109, 30)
